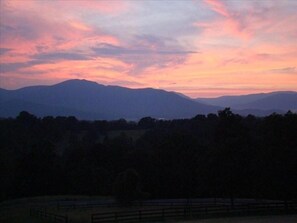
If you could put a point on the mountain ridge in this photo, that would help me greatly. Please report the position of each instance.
(280, 100)
(90, 100)
(108, 102)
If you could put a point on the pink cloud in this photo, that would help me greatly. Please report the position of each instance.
(250, 22)
(218, 7)
(45, 45)
(103, 6)
(232, 23)
(30, 30)
(75, 6)
(240, 24)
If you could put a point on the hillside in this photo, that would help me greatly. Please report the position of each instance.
(274, 101)
(89, 100)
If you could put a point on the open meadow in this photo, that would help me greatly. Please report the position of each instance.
(84, 209)
(257, 219)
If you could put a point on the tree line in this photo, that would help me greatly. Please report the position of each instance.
(215, 155)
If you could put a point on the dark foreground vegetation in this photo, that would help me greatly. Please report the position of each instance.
(218, 155)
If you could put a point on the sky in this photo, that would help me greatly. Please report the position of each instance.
(201, 48)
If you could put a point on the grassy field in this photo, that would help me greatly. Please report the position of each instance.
(19, 215)
(17, 211)
(257, 219)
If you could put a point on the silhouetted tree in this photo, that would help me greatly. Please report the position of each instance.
(223, 155)
(147, 122)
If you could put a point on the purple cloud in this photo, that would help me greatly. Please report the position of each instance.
(144, 52)
(4, 50)
(61, 56)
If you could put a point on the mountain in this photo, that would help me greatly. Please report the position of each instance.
(89, 100)
(274, 101)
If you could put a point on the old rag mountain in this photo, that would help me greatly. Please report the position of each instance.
(256, 103)
(89, 100)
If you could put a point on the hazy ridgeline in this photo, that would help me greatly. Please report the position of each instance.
(223, 155)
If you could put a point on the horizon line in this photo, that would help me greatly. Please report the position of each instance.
(150, 87)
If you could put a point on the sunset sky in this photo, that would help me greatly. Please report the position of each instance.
(202, 48)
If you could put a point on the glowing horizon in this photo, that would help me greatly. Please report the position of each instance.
(199, 48)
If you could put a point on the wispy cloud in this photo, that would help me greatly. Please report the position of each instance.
(4, 50)
(12, 67)
(285, 70)
(145, 52)
(61, 56)
(240, 22)
(218, 6)
(109, 49)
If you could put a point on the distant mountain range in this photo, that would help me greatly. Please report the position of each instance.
(89, 100)
(281, 101)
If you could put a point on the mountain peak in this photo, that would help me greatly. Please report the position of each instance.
(89, 100)
(77, 82)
